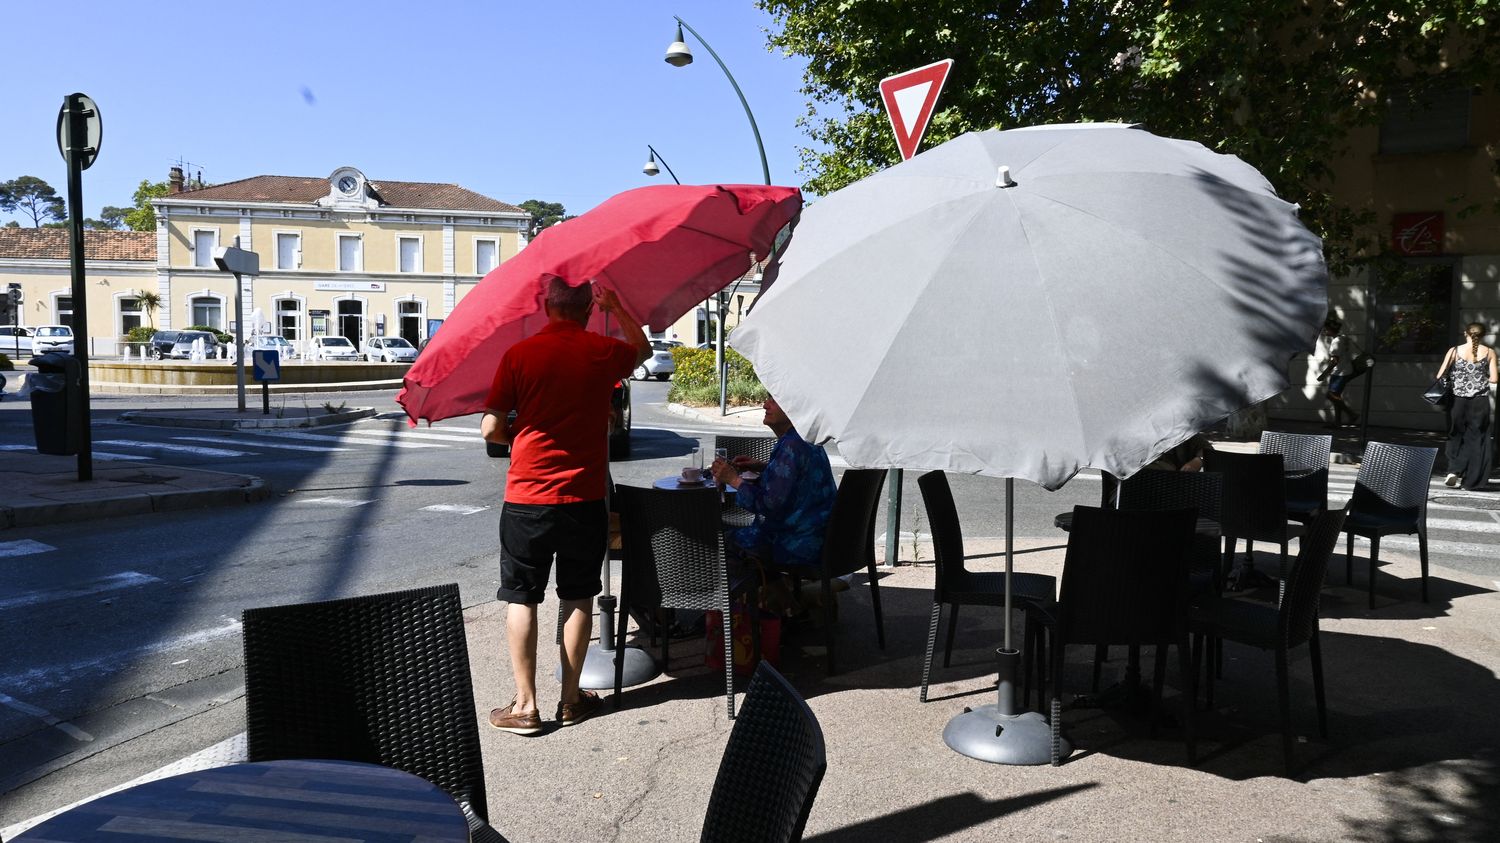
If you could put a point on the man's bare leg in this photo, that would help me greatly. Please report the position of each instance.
(520, 632)
(578, 627)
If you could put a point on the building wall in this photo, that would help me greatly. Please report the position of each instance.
(44, 282)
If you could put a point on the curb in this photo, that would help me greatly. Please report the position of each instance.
(698, 415)
(157, 419)
(251, 490)
(117, 388)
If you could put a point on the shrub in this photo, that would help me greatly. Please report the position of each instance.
(219, 335)
(140, 333)
(695, 382)
(5, 364)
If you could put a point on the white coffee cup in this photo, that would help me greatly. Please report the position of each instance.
(692, 475)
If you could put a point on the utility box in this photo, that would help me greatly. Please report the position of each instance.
(57, 403)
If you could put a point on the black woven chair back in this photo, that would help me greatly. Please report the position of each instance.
(849, 545)
(673, 547)
(1305, 458)
(771, 768)
(1157, 490)
(1254, 502)
(1299, 608)
(382, 679)
(1392, 481)
(1125, 575)
(947, 532)
(757, 448)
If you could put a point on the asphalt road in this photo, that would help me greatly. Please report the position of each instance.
(123, 628)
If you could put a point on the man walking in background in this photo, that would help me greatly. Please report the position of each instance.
(558, 384)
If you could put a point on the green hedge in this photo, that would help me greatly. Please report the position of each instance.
(140, 333)
(5, 364)
(223, 338)
(695, 380)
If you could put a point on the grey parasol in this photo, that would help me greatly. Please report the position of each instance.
(1026, 303)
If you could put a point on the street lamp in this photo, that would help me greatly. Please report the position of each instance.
(678, 55)
(651, 169)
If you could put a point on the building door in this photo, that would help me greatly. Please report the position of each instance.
(289, 319)
(352, 320)
(410, 313)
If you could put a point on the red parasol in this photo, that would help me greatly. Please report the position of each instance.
(662, 249)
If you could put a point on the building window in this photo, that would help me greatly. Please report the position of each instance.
(1413, 306)
(288, 250)
(62, 310)
(204, 241)
(1431, 120)
(410, 250)
(486, 255)
(350, 253)
(289, 319)
(206, 311)
(130, 314)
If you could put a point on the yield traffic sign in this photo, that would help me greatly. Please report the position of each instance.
(909, 99)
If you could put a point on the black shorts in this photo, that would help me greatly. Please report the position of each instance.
(532, 534)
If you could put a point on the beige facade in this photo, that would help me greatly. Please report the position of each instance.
(118, 269)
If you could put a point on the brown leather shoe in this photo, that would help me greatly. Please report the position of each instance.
(571, 714)
(517, 723)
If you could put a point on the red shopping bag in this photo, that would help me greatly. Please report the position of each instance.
(740, 638)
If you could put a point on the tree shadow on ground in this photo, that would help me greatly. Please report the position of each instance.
(944, 816)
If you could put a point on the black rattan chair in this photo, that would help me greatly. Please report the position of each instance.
(771, 767)
(1305, 459)
(849, 546)
(382, 679)
(1254, 503)
(1269, 628)
(1390, 498)
(674, 559)
(1125, 581)
(757, 448)
(955, 585)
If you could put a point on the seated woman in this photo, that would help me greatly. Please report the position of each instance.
(791, 499)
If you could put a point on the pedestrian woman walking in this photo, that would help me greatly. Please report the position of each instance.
(1472, 370)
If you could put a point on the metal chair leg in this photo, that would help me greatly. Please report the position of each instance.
(932, 628)
(1422, 550)
(1283, 703)
(1374, 560)
(1315, 655)
(952, 627)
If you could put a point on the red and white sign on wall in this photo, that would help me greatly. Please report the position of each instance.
(1417, 234)
(909, 99)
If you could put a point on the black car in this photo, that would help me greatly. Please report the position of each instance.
(180, 344)
(619, 428)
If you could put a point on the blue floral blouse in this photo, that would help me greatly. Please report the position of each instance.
(792, 502)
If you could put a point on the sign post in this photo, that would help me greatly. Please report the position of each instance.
(240, 262)
(79, 131)
(267, 362)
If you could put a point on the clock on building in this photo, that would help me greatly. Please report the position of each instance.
(348, 184)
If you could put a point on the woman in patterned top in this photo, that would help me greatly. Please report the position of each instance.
(1471, 368)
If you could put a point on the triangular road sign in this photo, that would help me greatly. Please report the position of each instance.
(909, 100)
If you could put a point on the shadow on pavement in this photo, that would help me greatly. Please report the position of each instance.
(943, 816)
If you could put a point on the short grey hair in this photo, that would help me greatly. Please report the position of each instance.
(569, 301)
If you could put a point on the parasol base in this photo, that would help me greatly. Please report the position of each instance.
(599, 668)
(1016, 739)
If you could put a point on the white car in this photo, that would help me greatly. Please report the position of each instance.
(15, 341)
(278, 344)
(659, 365)
(45, 338)
(390, 350)
(334, 348)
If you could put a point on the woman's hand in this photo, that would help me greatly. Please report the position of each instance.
(725, 474)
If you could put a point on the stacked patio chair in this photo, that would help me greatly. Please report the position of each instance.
(1305, 459)
(674, 559)
(771, 768)
(1390, 498)
(1254, 506)
(757, 448)
(1125, 581)
(382, 679)
(1282, 628)
(955, 585)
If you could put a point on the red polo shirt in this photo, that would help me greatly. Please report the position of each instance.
(559, 382)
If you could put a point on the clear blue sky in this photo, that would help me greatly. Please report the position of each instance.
(551, 100)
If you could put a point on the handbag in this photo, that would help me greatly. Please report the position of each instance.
(1440, 393)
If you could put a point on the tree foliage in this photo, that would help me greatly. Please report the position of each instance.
(1279, 83)
(34, 198)
(111, 218)
(545, 214)
(141, 216)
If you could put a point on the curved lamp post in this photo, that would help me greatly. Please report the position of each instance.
(678, 55)
(651, 169)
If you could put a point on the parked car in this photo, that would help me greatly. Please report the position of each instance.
(179, 344)
(334, 348)
(389, 350)
(619, 426)
(279, 344)
(15, 341)
(45, 338)
(659, 365)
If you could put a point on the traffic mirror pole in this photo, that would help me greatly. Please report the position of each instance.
(78, 135)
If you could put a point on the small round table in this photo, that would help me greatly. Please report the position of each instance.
(674, 483)
(270, 801)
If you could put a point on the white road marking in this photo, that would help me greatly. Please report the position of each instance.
(285, 445)
(187, 449)
(403, 434)
(1435, 547)
(1462, 525)
(347, 503)
(24, 547)
(336, 440)
(47, 676)
(110, 456)
(45, 716)
(126, 579)
(459, 509)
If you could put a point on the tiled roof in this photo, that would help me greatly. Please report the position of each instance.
(52, 244)
(396, 194)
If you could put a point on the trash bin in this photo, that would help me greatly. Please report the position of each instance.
(56, 401)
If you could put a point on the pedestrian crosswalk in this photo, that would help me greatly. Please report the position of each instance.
(372, 436)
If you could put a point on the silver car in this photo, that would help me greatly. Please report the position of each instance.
(659, 365)
(389, 350)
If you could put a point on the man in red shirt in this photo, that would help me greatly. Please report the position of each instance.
(558, 383)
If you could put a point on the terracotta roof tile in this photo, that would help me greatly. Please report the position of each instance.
(395, 194)
(52, 244)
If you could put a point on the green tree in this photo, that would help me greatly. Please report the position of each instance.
(34, 198)
(545, 214)
(150, 301)
(141, 216)
(1279, 83)
(111, 218)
